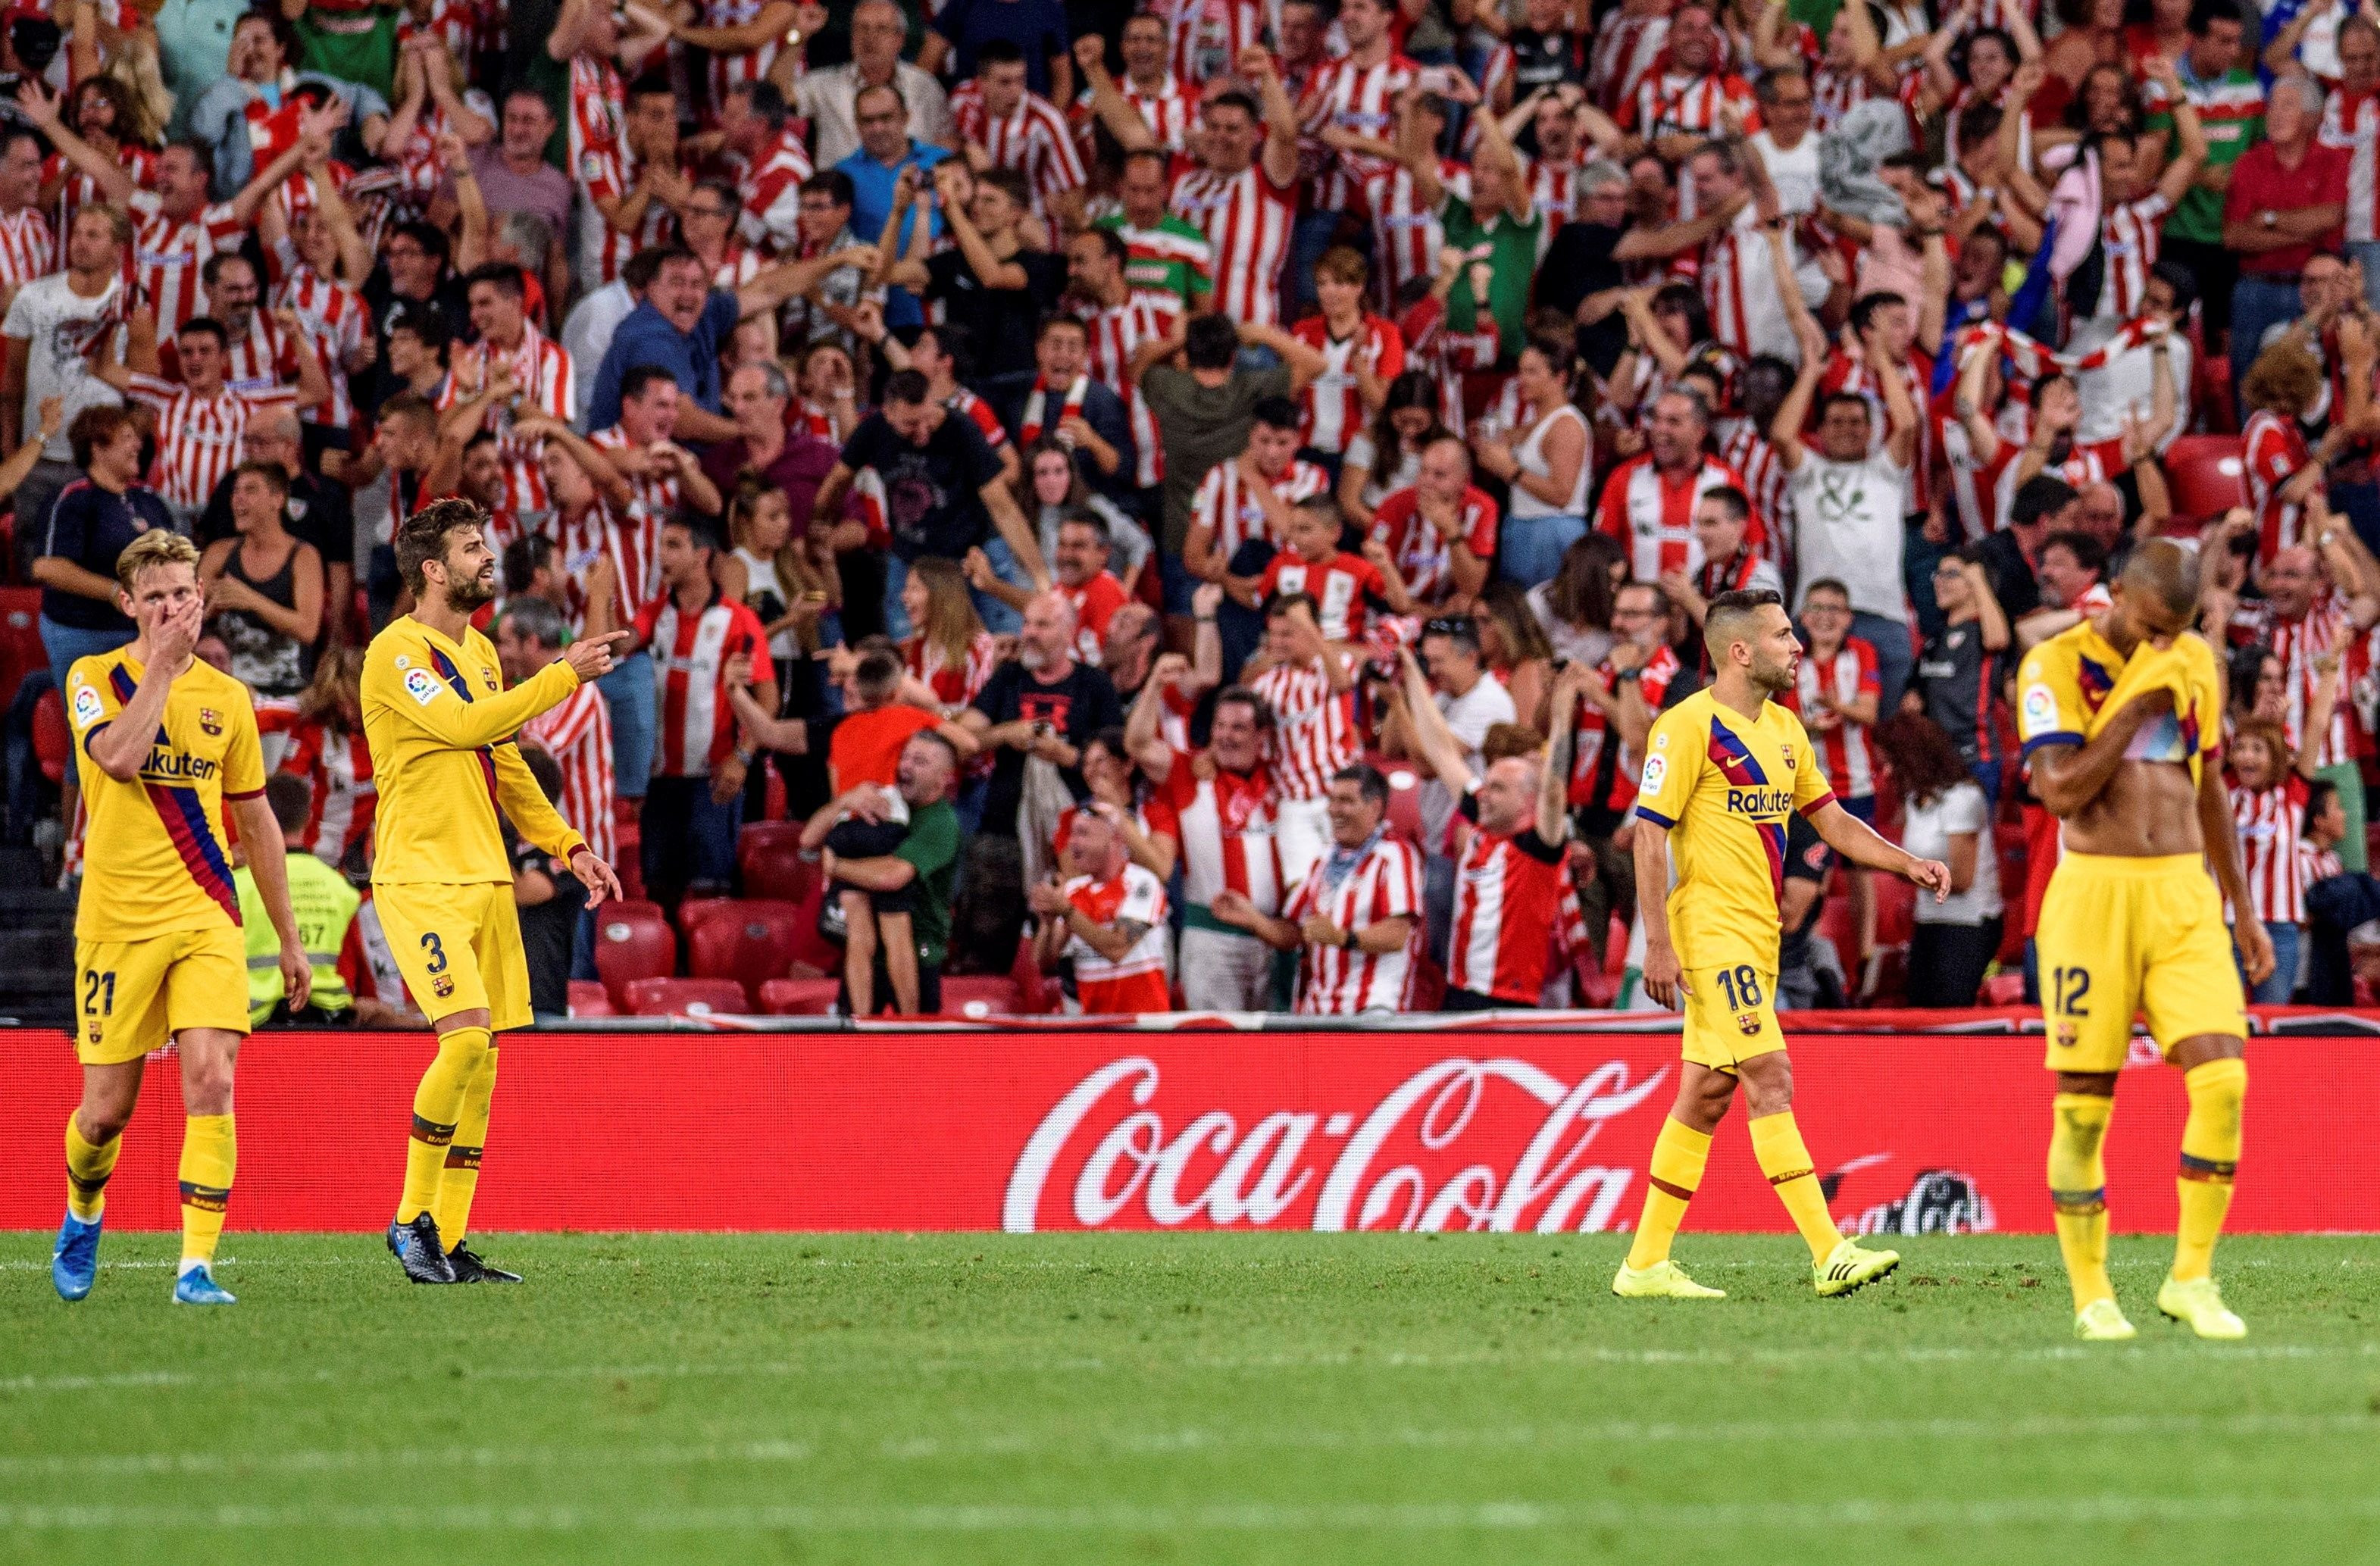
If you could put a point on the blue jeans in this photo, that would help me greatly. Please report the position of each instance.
(2282, 982)
(2258, 304)
(628, 692)
(1894, 657)
(1529, 549)
(66, 643)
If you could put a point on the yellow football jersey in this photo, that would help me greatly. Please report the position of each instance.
(1724, 786)
(156, 859)
(2068, 684)
(441, 726)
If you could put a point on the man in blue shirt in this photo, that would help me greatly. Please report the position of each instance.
(886, 151)
(684, 323)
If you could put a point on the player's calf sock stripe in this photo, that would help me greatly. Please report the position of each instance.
(432, 1134)
(1777, 1144)
(210, 1155)
(1804, 1174)
(2080, 1204)
(2208, 1169)
(88, 1164)
(206, 1198)
(2210, 1157)
(463, 1158)
(439, 1108)
(1680, 1193)
(1680, 1154)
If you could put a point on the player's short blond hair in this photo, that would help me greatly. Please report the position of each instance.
(153, 548)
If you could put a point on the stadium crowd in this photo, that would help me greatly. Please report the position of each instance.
(1062, 460)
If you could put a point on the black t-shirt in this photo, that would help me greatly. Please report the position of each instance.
(319, 514)
(90, 527)
(548, 929)
(1002, 321)
(1578, 264)
(450, 301)
(1542, 59)
(1076, 706)
(2012, 575)
(933, 500)
(1958, 681)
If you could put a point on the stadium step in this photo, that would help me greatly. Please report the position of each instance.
(36, 949)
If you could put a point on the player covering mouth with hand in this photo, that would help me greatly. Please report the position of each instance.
(1723, 771)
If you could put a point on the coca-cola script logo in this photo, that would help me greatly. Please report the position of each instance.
(1495, 1144)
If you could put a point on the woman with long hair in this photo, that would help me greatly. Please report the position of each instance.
(1386, 457)
(107, 113)
(1946, 817)
(1516, 649)
(948, 650)
(776, 568)
(1575, 604)
(326, 747)
(1545, 461)
(1057, 492)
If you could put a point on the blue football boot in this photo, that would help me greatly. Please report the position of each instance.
(198, 1286)
(74, 1266)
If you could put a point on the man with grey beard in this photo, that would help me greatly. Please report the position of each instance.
(1044, 702)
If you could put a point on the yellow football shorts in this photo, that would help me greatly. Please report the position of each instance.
(2118, 935)
(132, 995)
(460, 948)
(1730, 1015)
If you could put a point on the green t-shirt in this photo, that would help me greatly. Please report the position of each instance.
(1517, 249)
(323, 904)
(2231, 116)
(1173, 259)
(1202, 428)
(932, 846)
(360, 47)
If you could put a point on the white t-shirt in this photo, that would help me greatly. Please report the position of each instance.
(1378, 487)
(1846, 525)
(2130, 380)
(58, 326)
(1470, 716)
(1795, 174)
(1927, 833)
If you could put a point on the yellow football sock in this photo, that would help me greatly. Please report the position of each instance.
(2210, 1155)
(437, 1107)
(459, 1181)
(2078, 1190)
(1776, 1143)
(209, 1152)
(88, 1166)
(1679, 1154)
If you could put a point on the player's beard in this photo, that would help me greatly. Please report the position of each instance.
(1772, 679)
(467, 594)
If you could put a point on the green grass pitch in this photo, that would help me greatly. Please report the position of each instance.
(1218, 1398)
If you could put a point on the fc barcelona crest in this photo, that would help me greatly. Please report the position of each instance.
(1748, 1023)
(1789, 756)
(211, 722)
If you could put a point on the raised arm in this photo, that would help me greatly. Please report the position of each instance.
(1279, 152)
(41, 106)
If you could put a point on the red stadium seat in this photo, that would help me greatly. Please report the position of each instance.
(770, 855)
(981, 995)
(1404, 796)
(21, 651)
(589, 998)
(812, 950)
(666, 997)
(692, 911)
(52, 743)
(750, 942)
(633, 941)
(2212, 395)
(2206, 475)
(1036, 994)
(800, 997)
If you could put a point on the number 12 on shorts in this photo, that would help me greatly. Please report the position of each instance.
(1742, 986)
(2068, 988)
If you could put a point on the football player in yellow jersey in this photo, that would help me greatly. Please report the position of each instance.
(441, 726)
(2122, 717)
(1723, 771)
(172, 748)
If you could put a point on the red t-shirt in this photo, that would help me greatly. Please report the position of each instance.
(2258, 182)
(867, 746)
(1094, 603)
(1339, 585)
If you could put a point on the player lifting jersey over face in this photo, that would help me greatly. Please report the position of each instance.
(441, 726)
(2122, 717)
(1724, 771)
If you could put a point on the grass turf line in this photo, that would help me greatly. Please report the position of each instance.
(1257, 1398)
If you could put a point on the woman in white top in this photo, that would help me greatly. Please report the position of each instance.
(1547, 466)
(1575, 606)
(1386, 457)
(1949, 819)
(791, 584)
(1058, 489)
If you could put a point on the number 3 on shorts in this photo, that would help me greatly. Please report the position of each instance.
(437, 953)
(1742, 986)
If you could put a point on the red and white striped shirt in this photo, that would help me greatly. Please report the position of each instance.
(581, 542)
(2276, 449)
(771, 186)
(1835, 93)
(1408, 231)
(1341, 587)
(168, 254)
(1513, 904)
(1168, 112)
(257, 360)
(1765, 480)
(1227, 830)
(599, 117)
(1384, 884)
(1116, 332)
(1247, 220)
(1135, 983)
(1652, 515)
(730, 70)
(1739, 284)
(1332, 403)
(339, 767)
(1209, 34)
(577, 735)
(2351, 120)
(1314, 730)
(1626, 49)
(28, 248)
(78, 190)
(1553, 187)
(1421, 554)
(1670, 104)
(199, 438)
(335, 321)
(696, 727)
(1031, 139)
(652, 497)
(2328, 627)
(2130, 237)
(1361, 101)
(541, 368)
(1850, 674)
(1225, 504)
(1594, 730)
(955, 685)
(2272, 825)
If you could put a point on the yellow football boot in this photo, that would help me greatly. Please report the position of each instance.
(1665, 1280)
(2198, 1305)
(1849, 1267)
(2102, 1322)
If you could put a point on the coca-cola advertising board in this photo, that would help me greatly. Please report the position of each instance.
(1053, 1130)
